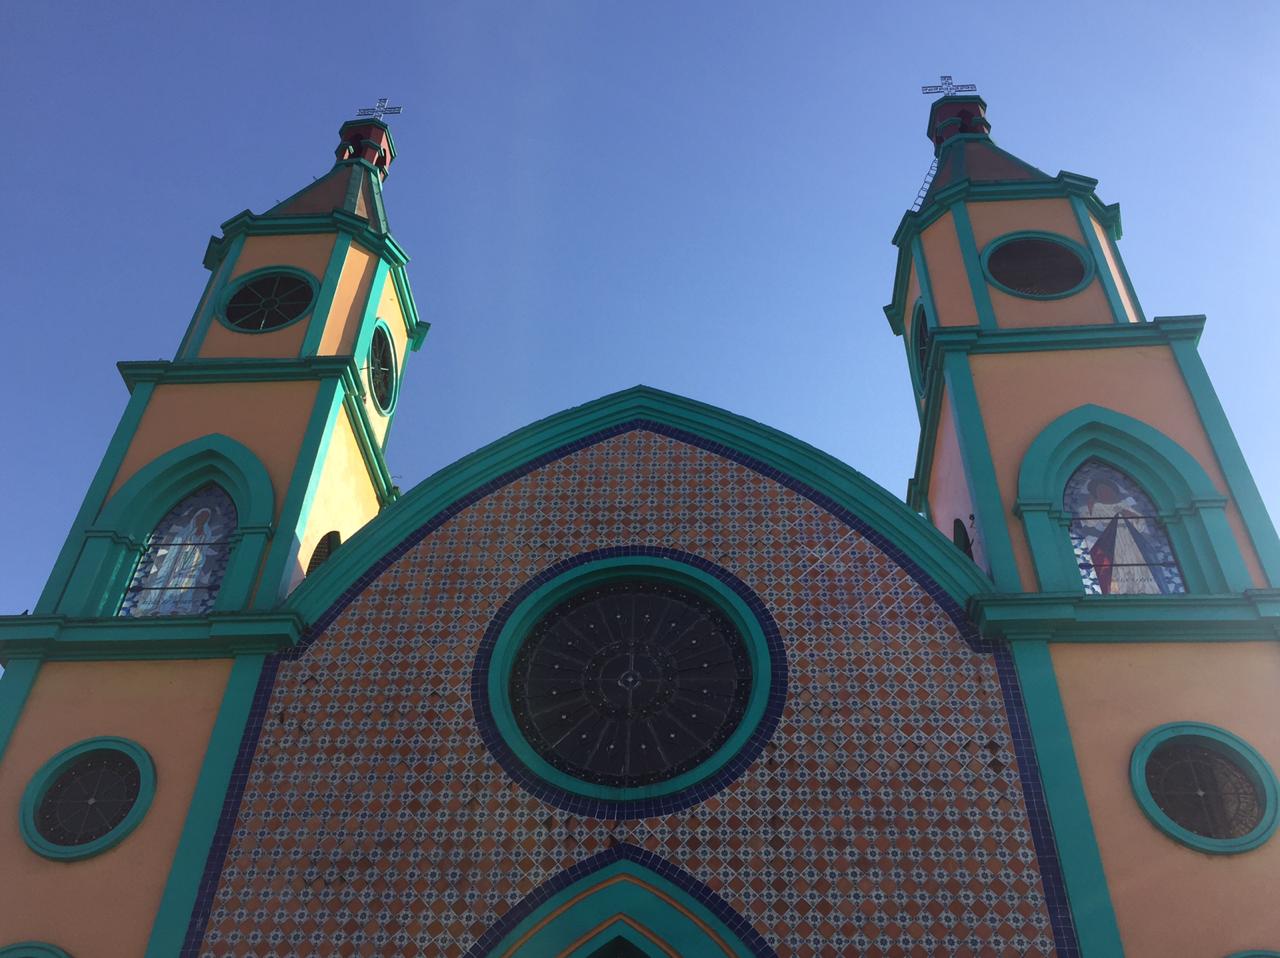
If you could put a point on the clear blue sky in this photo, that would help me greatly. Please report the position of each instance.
(696, 196)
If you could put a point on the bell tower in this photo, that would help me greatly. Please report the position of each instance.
(1078, 452)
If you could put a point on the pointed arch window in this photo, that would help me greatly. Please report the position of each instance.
(1121, 545)
(185, 559)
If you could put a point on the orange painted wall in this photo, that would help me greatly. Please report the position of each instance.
(268, 418)
(992, 219)
(1088, 307)
(949, 494)
(307, 251)
(947, 276)
(1021, 393)
(1169, 900)
(349, 301)
(1129, 308)
(169, 709)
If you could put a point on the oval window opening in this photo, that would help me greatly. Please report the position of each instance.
(1204, 789)
(269, 302)
(1036, 267)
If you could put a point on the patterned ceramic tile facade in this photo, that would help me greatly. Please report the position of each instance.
(885, 816)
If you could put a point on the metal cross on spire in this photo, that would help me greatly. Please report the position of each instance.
(947, 88)
(380, 110)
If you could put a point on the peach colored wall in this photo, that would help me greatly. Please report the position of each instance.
(348, 302)
(344, 500)
(169, 709)
(992, 219)
(306, 251)
(1085, 308)
(947, 276)
(949, 494)
(1169, 900)
(269, 418)
(1121, 285)
(1021, 393)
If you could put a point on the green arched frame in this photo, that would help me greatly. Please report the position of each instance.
(234, 286)
(1082, 254)
(32, 949)
(1191, 507)
(49, 772)
(653, 568)
(113, 543)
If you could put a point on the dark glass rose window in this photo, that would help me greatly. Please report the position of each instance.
(89, 798)
(382, 369)
(1204, 789)
(268, 302)
(1036, 267)
(630, 683)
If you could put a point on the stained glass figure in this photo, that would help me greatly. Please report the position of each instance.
(1121, 546)
(182, 567)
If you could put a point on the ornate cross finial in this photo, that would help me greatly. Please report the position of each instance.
(380, 110)
(947, 88)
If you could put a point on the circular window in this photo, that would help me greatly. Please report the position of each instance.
(1037, 266)
(268, 301)
(630, 683)
(1205, 787)
(626, 684)
(87, 798)
(382, 368)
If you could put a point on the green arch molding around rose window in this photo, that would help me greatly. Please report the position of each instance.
(32, 949)
(487, 468)
(1227, 743)
(96, 574)
(48, 774)
(235, 285)
(1191, 507)
(768, 669)
(622, 902)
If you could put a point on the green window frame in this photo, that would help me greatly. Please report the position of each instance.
(32, 949)
(49, 772)
(918, 364)
(1082, 254)
(235, 285)
(1226, 743)
(387, 410)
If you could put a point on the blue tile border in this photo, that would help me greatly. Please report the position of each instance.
(700, 892)
(1064, 932)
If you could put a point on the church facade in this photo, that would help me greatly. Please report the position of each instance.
(646, 679)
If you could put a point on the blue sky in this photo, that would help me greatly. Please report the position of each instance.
(696, 196)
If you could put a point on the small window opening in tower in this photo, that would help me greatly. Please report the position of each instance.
(324, 548)
(920, 337)
(960, 536)
(1036, 267)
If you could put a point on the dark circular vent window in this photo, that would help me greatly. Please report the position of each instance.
(268, 301)
(1037, 266)
(87, 798)
(630, 683)
(920, 337)
(382, 368)
(1205, 787)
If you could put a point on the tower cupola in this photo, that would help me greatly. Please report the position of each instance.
(955, 115)
(368, 140)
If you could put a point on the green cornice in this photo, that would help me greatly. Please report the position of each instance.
(415, 326)
(967, 191)
(337, 221)
(219, 635)
(1072, 617)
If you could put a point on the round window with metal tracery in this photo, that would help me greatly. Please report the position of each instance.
(87, 798)
(1040, 266)
(382, 369)
(630, 683)
(269, 301)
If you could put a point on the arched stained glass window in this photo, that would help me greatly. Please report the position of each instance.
(1121, 546)
(181, 569)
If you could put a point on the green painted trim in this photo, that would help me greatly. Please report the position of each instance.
(353, 397)
(69, 555)
(1254, 953)
(652, 568)
(1099, 259)
(322, 307)
(16, 682)
(218, 635)
(32, 949)
(48, 774)
(607, 944)
(904, 529)
(973, 266)
(115, 540)
(159, 371)
(579, 913)
(930, 416)
(1124, 274)
(1102, 619)
(234, 286)
(201, 824)
(193, 340)
(1226, 448)
(1223, 742)
(1077, 846)
(275, 580)
(919, 324)
(1086, 260)
(396, 369)
(980, 473)
(1190, 505)
(250, 224)
(417, 327)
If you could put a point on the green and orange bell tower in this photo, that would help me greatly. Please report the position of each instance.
(145, 647)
